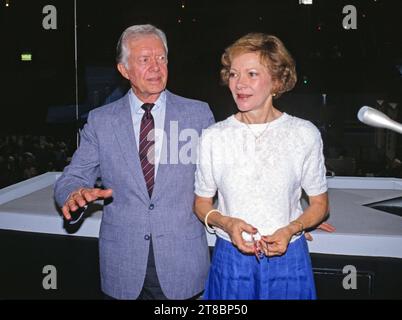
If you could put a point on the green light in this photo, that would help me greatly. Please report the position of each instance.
(26, 57)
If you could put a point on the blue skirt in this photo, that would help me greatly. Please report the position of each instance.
(236, 276)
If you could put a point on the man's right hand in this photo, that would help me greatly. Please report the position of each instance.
(81, 197)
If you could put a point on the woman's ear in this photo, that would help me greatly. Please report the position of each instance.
(275, 88)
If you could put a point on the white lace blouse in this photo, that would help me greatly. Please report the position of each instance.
(259, 170)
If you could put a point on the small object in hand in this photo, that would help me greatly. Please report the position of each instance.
(76, 215)
(259, 253)
(254, 240)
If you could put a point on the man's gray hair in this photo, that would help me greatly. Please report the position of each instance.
(135, 32)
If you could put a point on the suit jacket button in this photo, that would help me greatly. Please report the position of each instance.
(151, 206)
(147, 237)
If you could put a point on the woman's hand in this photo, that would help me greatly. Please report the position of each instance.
(277, 243)
(235, 227)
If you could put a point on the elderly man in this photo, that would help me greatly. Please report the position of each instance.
(151, 244)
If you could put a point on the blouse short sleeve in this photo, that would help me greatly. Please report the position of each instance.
(314, 180)
(205, 185)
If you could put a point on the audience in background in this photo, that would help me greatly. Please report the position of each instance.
(25, 156)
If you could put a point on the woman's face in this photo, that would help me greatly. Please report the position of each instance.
(250, 82)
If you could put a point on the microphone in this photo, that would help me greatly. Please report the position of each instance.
(375, 118)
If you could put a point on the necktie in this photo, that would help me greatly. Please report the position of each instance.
(147, 146)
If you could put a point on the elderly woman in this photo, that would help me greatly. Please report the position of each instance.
(259, 160)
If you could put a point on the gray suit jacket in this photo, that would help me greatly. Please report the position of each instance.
(108, 150)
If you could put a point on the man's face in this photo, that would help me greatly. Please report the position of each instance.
(146, 67)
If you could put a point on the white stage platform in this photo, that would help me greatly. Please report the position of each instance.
(361, 231)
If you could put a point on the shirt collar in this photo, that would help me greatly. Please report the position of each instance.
(137, 103)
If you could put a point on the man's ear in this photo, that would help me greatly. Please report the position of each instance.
(123, 71)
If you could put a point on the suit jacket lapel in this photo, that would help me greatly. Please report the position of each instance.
(125, 135)
(165, 170)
